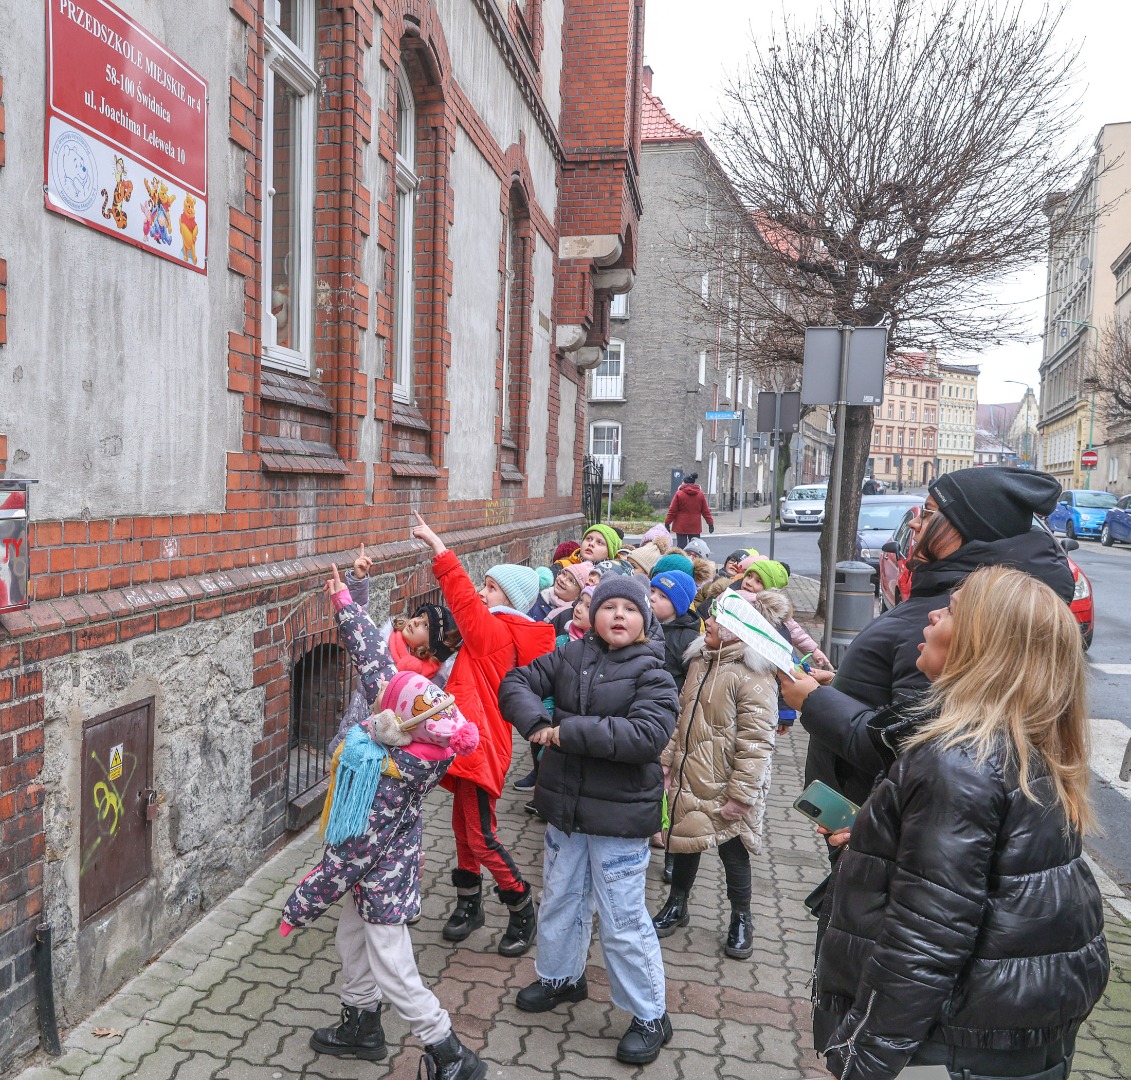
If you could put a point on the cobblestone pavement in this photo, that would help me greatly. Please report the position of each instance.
(232, 999)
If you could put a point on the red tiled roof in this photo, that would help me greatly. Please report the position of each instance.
(657, 124)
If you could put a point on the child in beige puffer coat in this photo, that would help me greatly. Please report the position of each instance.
(717, 770)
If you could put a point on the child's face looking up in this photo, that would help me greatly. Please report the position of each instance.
(415, 632)
(618, 622)
(581, 613)
(711, 634)
(594, 577)
(752, 583)
(662, 607)
(566, 586)
(593, 548)
(492, 594)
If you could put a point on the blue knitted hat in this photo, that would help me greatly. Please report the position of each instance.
(678, 587)
(520, 583)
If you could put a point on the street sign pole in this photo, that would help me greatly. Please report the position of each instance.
(741, 466)
(776, 439)
(832, 505)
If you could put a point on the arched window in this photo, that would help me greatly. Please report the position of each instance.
(605, 447)
(404, 289)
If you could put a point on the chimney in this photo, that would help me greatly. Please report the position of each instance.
(648, 78)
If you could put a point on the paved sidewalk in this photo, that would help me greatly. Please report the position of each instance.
(232, 999)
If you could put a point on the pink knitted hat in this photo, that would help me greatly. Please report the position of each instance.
(580, 570)
(428, 713)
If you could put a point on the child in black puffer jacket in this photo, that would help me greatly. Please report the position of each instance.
(599, 788)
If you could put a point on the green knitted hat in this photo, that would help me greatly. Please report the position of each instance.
(608, 534)
(772, 573)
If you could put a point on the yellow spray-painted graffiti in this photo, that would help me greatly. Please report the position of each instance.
(106, 796)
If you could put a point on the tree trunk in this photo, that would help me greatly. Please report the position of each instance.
(858, 441)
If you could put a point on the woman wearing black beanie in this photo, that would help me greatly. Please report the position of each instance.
(971, 518)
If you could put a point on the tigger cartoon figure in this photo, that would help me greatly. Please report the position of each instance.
(123, 191)
(189, 230)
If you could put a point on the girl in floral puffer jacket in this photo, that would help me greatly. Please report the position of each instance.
(420, 729)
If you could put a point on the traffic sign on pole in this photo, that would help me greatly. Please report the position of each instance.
(1089, 459)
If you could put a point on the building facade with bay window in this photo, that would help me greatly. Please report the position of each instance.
(362, 272)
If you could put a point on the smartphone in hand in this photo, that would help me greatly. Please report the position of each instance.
(826, 807)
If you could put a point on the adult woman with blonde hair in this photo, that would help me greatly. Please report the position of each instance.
(966, 929)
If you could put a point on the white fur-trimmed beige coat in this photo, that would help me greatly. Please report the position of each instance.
(721, 748)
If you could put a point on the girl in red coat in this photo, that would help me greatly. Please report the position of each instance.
(497, 636)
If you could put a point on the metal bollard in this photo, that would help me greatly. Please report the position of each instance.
(854, 605)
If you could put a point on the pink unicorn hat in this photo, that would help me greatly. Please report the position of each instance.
(427, 714)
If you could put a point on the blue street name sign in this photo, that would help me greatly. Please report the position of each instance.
(724, 416)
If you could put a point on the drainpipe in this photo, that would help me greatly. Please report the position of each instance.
(45, 991)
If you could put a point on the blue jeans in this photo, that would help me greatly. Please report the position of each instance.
(582, 874)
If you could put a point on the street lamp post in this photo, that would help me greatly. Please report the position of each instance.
(1028, 394)
(1092, 411)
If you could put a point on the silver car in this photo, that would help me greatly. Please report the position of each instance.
(804, 505)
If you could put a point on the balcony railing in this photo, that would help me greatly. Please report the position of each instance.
(606, 387)
(610, 466)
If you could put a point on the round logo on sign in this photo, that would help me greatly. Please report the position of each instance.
(74, 174)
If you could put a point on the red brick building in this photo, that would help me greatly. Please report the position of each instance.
(417, 214)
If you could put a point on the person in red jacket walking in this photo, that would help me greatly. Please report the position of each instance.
(497, 636)
(688, 508)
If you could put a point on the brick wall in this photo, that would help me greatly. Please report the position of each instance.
(21, 845)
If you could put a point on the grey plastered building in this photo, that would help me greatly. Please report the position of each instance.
(669, 361)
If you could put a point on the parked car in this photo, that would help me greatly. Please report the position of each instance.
(895, 574)
(1080, 512)
(1117, 523)
(893, 571)
(803, 505)
(880, 517)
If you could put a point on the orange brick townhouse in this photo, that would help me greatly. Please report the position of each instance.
(273, 274)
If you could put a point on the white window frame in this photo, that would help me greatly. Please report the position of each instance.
(729, 383)
(699, 443)
(284, 59)
(702, 367)
(608, 387)
(613, 461)
(404, 284)
(618, 308)
(705, 288)
(509, 275)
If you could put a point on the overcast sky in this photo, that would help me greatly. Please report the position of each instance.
(692, 46)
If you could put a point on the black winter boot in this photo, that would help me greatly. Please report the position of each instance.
(359, 1035)
(468, 914)
(545, 994)
(519, 934)
(673, 914)
(451, 1060)
(641, 1043)
(740, 936)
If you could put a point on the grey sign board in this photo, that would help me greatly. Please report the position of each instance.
(790, 411)
(866, 359)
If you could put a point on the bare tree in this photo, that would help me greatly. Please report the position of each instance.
(895, 162)
(1111, 377)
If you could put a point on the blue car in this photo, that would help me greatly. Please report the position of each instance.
(1117, 523)
(1081, 512)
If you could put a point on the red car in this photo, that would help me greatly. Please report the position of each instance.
(895, 574)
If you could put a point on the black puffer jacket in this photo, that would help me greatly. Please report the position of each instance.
(616, 711)
(879, 666)
(961, 913)
(679, 635)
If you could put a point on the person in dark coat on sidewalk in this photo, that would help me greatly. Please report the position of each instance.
(688, 510)
(599, 788)
(971, 518)
(966, 929)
